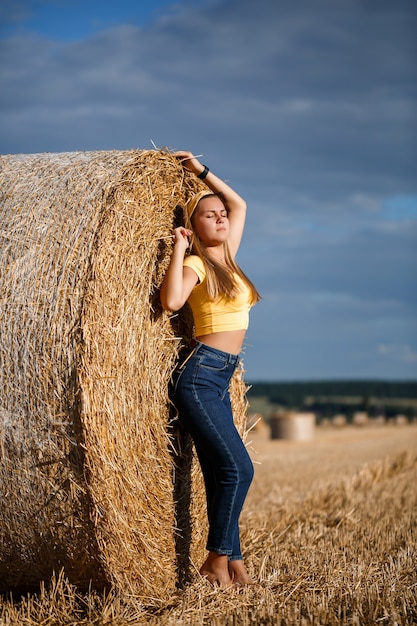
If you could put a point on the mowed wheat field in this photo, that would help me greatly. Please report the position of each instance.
(329, 534)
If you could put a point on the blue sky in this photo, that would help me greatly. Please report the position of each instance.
(307, 107)
(72, 20)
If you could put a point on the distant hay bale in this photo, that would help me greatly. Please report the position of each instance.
(378, 420)
(325, 422)
(401, 420)
(92, 476)
(360, 418)
(339, 421)
(292, 425)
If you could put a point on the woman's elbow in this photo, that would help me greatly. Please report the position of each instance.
(170, 304)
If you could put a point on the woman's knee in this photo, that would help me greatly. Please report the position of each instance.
(243, 467)
(238, 473)
(242, 473)
(247, 471)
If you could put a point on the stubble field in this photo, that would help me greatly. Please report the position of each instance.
(329, 534)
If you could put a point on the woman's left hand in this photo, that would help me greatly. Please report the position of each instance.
(189, 161)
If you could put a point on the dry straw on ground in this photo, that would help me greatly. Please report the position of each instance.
(92, 477)
(329, 531)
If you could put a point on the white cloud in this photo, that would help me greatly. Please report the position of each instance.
(397, 352)
(366, 201)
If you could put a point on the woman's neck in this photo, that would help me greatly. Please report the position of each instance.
(216, 253)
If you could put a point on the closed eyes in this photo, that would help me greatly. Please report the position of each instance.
(214, 214)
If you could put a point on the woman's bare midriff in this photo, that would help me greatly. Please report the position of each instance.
(228, 340)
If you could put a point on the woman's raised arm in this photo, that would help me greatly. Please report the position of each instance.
(235, 204)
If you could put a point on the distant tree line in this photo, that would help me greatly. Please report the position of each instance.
(327, 398)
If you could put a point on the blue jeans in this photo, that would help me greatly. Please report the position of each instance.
(200, 393)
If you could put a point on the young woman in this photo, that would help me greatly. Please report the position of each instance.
(220, 296)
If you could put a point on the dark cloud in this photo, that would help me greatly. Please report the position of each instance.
(307, 108)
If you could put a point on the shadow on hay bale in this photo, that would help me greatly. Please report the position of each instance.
(94, 475)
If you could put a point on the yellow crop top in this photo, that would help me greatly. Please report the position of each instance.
(212, 316)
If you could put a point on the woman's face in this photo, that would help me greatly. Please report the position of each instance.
(210, 221)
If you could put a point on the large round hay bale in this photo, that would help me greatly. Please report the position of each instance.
(92, 476)
(292, 425)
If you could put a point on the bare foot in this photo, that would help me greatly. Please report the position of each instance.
(239, 574)
(215, 570)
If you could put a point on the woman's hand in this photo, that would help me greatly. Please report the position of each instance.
(189, 161)
(180, 237)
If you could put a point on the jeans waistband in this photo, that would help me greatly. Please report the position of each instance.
(227, 357)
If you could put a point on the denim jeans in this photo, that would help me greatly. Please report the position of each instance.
(200, 393)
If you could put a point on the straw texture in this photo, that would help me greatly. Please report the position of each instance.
(95, 475)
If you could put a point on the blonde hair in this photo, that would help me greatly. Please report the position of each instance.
(219, 277)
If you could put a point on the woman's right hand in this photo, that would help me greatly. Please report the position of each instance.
(178, 281)
(181, 236)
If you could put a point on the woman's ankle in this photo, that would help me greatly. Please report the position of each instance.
(216, 570)
(238, 572)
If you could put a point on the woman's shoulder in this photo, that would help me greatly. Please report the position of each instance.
(196, 263)
(193, 260)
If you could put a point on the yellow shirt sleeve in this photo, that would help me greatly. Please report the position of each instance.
(197, 265)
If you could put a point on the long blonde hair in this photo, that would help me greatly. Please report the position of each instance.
(219, 277)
